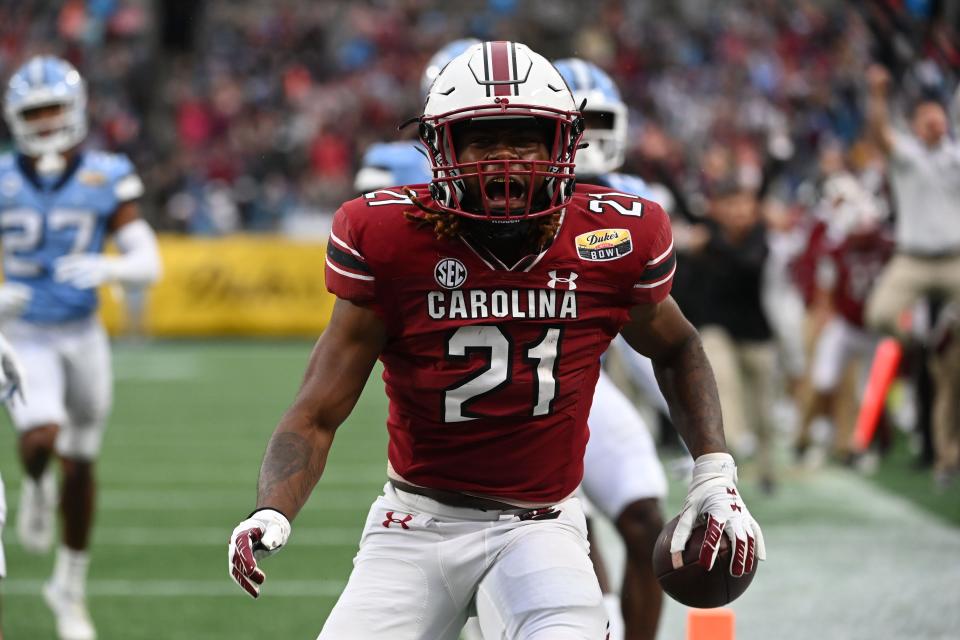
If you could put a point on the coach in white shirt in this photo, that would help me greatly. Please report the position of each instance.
(924, 169)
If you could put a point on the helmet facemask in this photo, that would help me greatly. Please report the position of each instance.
(506, 189)
(45, 108)
(605, 136)
(37, 135)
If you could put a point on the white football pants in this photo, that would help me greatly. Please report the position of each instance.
(423, 567)
(68, 382)
(621, 464)
(837, 345)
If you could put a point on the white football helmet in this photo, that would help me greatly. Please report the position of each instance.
(607, 137)
(850, 209)
(43, 81)
(504, 81)
(441, 59)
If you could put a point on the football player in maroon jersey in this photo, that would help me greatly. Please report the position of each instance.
(853, 249)
(489, 295)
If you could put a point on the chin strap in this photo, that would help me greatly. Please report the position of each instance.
(418, 203)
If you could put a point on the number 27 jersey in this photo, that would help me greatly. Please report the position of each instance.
(490, 370)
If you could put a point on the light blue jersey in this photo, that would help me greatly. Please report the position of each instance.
(389, 164)
(43, 220)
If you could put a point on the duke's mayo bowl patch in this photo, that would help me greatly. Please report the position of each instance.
(92, 178)
(601, 245)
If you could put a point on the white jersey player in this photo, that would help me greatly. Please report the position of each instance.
(58, 204)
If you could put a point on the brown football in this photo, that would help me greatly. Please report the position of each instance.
(691, 584)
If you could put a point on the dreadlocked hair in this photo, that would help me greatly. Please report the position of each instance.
(446, 225)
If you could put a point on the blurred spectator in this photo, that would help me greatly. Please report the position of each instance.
(728, 270)
(235, 91)
(925, 175)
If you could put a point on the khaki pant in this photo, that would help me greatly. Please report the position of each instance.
(905, 281)
(945, 369)
(745, 373)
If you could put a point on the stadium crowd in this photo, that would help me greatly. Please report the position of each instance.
(266, 114)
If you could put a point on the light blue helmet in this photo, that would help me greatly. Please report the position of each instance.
(389, 164)
(608, 144)
(440, 59)
(43, 81)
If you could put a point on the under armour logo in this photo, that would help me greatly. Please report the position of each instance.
(570, 282)
(736, 507)
(402, 522)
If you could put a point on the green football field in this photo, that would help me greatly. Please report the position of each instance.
(847, 559)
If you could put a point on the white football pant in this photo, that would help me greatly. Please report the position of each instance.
(423, 567)
(621, 464)
(69, 382)
(837, 345)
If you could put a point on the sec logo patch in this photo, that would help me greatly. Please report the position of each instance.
(450, 273)
(601, 245)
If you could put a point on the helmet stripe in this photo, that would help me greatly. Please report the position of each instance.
(582, 72)
(36, 71)
(516, 76)
(500, 64)
(486, 66)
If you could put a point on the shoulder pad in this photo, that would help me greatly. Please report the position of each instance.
(628, 183)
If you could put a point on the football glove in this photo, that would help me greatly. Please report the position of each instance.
(259, 536)
(11, 373)
(713, 496)
(14, 298)
(86, 270)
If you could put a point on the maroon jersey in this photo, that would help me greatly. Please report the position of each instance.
(804, 266)
(851, 267)
(491, 370)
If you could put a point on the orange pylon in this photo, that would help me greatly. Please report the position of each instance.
(710, 624)
(886, 361)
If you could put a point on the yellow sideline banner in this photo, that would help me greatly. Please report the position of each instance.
(237, 285)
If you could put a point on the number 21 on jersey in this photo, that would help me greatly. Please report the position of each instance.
(542, 355)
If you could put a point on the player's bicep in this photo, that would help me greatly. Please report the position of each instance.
(125, 213)
(657, 330)
(340, 364)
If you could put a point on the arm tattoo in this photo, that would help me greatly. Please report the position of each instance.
(688, 384)
(288, 455)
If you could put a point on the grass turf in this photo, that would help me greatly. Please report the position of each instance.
(179, 470)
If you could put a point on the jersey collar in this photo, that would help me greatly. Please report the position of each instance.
(26, 167)
(524, 264)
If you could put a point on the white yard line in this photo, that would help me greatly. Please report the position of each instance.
(213, 536)
(338, 500)
(183, 588)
